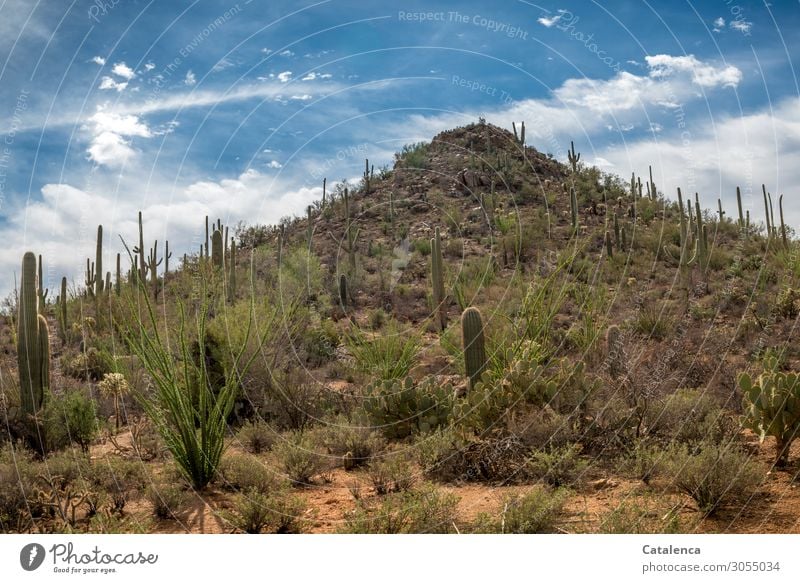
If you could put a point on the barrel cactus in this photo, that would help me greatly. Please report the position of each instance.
(474, 345)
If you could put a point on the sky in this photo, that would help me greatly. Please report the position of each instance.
(238, 110)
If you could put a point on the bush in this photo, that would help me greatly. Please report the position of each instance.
(255, 512)
(320, 343)
(245, 472)
(402, 408)
(689, 416)
(534, 512)
(352, 445)
(122, 479)
(17, 478)
(70, 418)
(389, 355)
(256, 436)
(391, 475)
(426, 510)
(439, 454)
(297, 457)
(640, 517)
(713, 475)
(168, 499)
(645, 461)
(652, 323)
(559, 467)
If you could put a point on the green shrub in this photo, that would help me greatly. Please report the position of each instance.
(245, 472)
(688, 416)
(70, 418)
(400, 409)
(168, 499)
(391, 475)
(353, 445)
(298, 458)
(121, 479)
(559, 467)
(426, 510)
(713, 475)
(256, 436)
(638, 516)
(652, 322)
(388, 355)
(439, 454)
(414, 155)
(256, 512)
(645, 461)
(536, 511)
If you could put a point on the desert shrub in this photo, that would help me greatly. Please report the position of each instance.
(688, 416)
(644, 461)
(291, 402)
(713, 475)
(17, 479)
(638, 516)
(255, 512)
(652, 322)
(167, 499)
(426, 510)
(351, 444)
(256, 436)
(391, 475)
(377, 318)
(401, 408)
(439, 454)
(561, 466)
(414, 155)
(89, 365)
(422, 246)
(320, 343)
(389, 355)
(121, 479)
(70, 418)
(536, 511)
(298, 458)
(245, 472)
(543, 429)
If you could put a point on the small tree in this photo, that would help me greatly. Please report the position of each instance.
(115, 386)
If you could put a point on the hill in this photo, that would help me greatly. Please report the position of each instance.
(480, 338)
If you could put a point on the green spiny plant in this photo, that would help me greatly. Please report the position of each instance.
(216, 249)
(62, 310)
(42, 293)
(98, 263)
(652, 185)
(343, 295)
(766, 212)
(573, 204)
(609, 246)
(118, 283)
(473, 343)
(232, 272)
(783, 226)
(521, 138)
(615, 352)
(739, 204)
(720, 212)
(33, 347)
(772, 407)
(437, 281)
(573, 157)
(401, 408)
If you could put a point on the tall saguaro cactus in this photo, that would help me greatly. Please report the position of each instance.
(783, 226)
(62, 309)
(474, 344)
(437, 281)
(232, 272)
(573, 157)
(98, 263)
(33, 342)
(216, 248)
(739, 204)
(573, 204)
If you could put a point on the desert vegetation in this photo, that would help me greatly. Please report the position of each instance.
(478, 339)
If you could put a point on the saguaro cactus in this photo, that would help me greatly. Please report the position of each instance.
(437, 281)
(609, 246)
(653, 192)
(98, 263)
(520, 139)
(766, 212)
(343, 295)
(573, 204)
(739, 204)
(62, 309)
(474, 344)
(42, 293)
(783, 226)
(573, 157)
(232, 272)
(216, 248)
(118, 283)
(33, 343)
(142, 264)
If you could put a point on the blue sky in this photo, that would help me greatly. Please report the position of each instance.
(238, 109)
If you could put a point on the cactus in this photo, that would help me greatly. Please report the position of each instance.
(351, 234)
(343, 291)
(573, 204)
(33, 343)
(772, 407)
(609, 246)
(42, 293)
(216, 249)
(685, 261)
(521, 138)
(90, 277)
(366, 176)
(720, 211)
(615, 357)
(310, 232)
(474, 345)
(624, 238)
(98, 263)
(324, 187)
(633, 185)
(401, 407)
(653, 192)
(783, 226)
(617, 240)
(118, 283)
(232, 272)
(573, 157)
(206, 246)
(766, 212)
(152, 267)
(62, 310)
(739, 204)
(142, 264)
(167, 257)
(437, 281)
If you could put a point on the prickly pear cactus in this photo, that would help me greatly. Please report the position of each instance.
(772, 407)
(402, 408)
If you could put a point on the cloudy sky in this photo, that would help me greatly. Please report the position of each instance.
(238, 109)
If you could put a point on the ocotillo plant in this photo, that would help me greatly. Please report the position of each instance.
(573, 157)
(437, 281)
(474, 345)
(98, 263)
(216, 249)
(33, 347)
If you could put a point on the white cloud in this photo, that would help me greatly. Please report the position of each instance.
(719, 24)
(98, 61)
(286, 53)
(285, 76)
(703, 74)
(548, 21)
(304, 97)
(107, 83)
(742, 26)
(190, 78)
(122, 70)
(149, 66)
(602, 163)
(108, 144)
(110, 149)
(274, 164)
(222, 64)
(310, 77)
